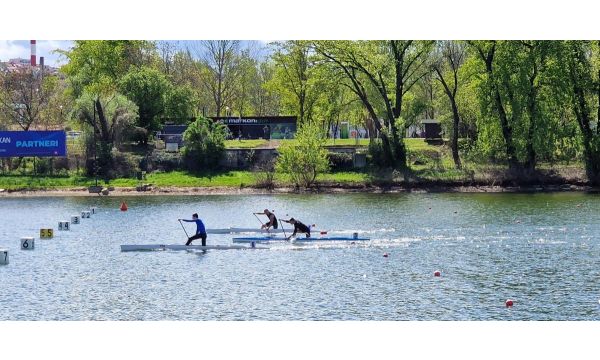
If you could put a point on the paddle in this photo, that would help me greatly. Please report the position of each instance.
(282, 228)
(183, 227)
(257, 218)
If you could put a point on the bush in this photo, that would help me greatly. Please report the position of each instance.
(376, 152)
(166, 161)
(136, 134)
(204, 144)
(340, 161)
(305, 158)
(264, 174)
(125, 164)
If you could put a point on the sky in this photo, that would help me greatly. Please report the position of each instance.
(10, 49)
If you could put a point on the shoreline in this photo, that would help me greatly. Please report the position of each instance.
(335, 189)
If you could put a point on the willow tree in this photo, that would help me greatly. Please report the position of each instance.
(93, 72)
(297, 78)
(583, 86)
(450, 56)
(380, 73)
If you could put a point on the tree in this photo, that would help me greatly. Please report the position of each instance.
(97, 65)
(380, 73)
(304, 158)
(181, 104)
(148, 89)
(450, 56)
(265, 101)
(219, 71)
(297, 78)
(583, 87)
(25, 95)
(204, 144)
(108, 116)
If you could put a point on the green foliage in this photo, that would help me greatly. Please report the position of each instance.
(97, 65)
(180, 104)
(305, 158)
(204, 144)
(148, 89)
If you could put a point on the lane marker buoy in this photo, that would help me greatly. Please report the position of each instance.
(437, 273)
(386, 255)
(509, 303)
(46, 233)
(27, 243)
(63, 225)
(123, 206)
(3, 256)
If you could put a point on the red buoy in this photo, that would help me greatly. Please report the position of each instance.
(437, 273)
(123, 206)
(386, 254)
(509, 303)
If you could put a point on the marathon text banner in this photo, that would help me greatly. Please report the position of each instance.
(32, 143)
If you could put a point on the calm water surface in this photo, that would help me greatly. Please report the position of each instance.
(541, 250)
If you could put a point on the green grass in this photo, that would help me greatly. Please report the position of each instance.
(346, 142)
(244, 144)
(18, 182)
(345, 177)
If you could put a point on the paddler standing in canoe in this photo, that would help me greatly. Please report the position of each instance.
(200, 230)
(298, 228)
(272, 220)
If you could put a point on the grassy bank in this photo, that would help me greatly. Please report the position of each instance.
(429, 165)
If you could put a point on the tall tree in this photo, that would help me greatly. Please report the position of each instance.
(219, 71)
(25, 95)
(297, 78)
(148, 89)
(583, 87)
(107, 115)
(388, 68)
(450, 57)
(487, 51)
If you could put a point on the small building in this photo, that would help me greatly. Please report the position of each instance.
(433, 129)
(260, 127)
(425, 128)
(172, 135)
(254, 127)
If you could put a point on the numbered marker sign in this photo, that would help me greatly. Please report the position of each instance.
(46, 233)
(63, 225)
(85, 214)
(93, 210)
(3, 256)
(75, 219)
(27, 243)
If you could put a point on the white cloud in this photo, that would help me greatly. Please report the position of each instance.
(10, 49)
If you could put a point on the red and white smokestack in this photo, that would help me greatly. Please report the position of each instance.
(33, 58)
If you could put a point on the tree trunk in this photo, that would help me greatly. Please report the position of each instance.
(454, 145)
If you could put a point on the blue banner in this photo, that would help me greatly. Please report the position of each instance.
(33, 143)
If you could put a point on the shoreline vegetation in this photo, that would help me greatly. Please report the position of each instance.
(245, 182)
(431, 170)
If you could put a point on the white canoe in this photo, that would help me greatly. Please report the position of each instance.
(234, 230)
(257, 239)
(150, 247)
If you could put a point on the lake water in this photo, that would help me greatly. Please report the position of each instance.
(540, 250)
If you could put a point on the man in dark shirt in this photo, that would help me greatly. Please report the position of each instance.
(200, 230)
(272, 220)
(298, 228)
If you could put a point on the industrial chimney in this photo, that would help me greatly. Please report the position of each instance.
(33, 58)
